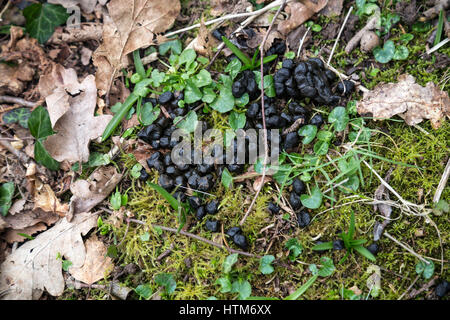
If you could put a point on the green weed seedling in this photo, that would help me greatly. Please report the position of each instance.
(231, 281)
(349, 243)
(252, 63)
(325, 270)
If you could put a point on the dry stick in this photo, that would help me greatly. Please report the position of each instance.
(415, 293)
(438, 46)
(302, 41)
(406, 248)
(230, 16)
(19, 101)
(4, 9)
(339, 35)
(194, 236)
(23, 158)
(261, 50)
(409, 288)
(442, 183)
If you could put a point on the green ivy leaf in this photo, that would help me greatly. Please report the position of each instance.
(225, 101)
(187, 57)
(229, 262)
(265, 264)
(66, 264)
(208, 95)
(189, 123)
(237, 120)
(385, 54)
(327, 268)
(242, 100)
(95, 159)
(225, 284)
(174, 46)
(157, 77)
(144, 291)
(243, 288)
(323, 135)
(148, 114)
(339, 117)
(321, 148)
(39, 123)
(407, 37)
(6, 195)
(294, 247)
(401, 53)
(136, 170)
(42, 19)
(352, 184)
(19, 115)
(308, 132)
(227, 178)
(312, 201)
(43, 157)
(167, 281)
(426, 270)
(203, 78)
(233, 68)
(191, 93)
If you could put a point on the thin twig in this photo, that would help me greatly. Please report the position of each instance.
(229, 17)
(194, 236)
(406, 248)
(302, 41)
(438, 46)
(19, 101)
(409, 288)
(261, 50)
(442, 183)
(339, 35)
(8, 2)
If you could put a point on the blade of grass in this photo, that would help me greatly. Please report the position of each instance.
(302, 289)
(138, 64)
(242, 56)
(437, 39)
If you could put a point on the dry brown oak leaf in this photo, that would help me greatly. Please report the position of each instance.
(407, 99)
(34, 267)
(71, 108)
(132, 24)
(299, 12)
(96, 265)
(88, 193)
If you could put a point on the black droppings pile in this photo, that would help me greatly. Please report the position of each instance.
(294, 82)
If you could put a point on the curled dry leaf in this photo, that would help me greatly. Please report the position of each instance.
(88, 193)
(71, 108)
(133, 24)
(299, 12)
(34, 266)
(27, 56)
(407, 99)
(333, 8)
(45, 199)
(96, 265)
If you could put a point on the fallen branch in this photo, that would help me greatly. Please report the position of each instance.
(83, 32)
(429, 284)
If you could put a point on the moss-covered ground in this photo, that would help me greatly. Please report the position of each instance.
(196, 265)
